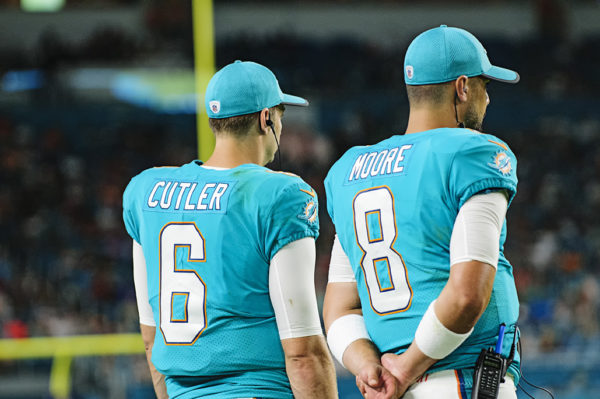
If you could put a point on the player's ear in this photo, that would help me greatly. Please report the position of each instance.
(262, 121)
(461, 87)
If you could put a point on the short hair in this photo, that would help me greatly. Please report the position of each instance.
(435, 94)
(238, 125)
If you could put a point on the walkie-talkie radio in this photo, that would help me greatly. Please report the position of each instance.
(489, 373)
(490, 370)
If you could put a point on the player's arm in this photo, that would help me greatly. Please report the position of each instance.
(347, 335)
(292, 290)
(147, 325)
(158, 380)
(448, 322)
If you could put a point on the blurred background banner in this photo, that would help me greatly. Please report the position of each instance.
(92, 92)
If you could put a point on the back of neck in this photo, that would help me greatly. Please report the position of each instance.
(230, 152)
(423, 119)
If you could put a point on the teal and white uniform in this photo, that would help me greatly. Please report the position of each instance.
(394, 205)
(208, 237)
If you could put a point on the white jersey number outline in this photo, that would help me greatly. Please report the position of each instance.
(184, 284)
(375, 231)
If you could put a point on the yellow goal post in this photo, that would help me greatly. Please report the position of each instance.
(63, 349)
(204, 65)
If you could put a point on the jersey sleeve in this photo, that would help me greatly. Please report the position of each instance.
(294, 215)
(483, 164)
(128, 212)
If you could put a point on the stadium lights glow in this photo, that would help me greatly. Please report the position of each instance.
(15, 81)
(42, 5)
(170, 92)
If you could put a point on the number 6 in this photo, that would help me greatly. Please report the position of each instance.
(184, 284)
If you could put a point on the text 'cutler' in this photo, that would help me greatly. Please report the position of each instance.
(187, 196)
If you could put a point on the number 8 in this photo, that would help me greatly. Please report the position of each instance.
(384, 269)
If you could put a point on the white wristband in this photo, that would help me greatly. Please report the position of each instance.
(343, 331)
(434, 339)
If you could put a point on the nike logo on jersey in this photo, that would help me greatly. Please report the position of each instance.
(385, 162)
(188, 196)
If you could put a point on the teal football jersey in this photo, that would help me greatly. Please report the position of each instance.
(394, 205)
(208, 237)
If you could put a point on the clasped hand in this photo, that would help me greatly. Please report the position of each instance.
(388, 380)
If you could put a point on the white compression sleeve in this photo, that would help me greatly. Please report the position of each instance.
(340, 270)
(476, 233)
(292, 290)
(141, 286)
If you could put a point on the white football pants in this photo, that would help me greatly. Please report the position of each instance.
(446, 384)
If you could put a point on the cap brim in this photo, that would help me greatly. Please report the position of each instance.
(502, 75)
(288, 99)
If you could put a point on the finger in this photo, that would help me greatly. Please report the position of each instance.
(360, 385)
(388, 359)
(370, 376)
(369, 393)
(393, 391)
(373, 377)
(389, 362)
(390, 385)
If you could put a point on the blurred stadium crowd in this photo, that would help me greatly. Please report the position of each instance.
(65, 258)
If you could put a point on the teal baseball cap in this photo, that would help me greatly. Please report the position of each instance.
(443, 54)
(242, 88)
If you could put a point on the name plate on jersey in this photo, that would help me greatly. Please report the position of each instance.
(187, 196)
(386, 162)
